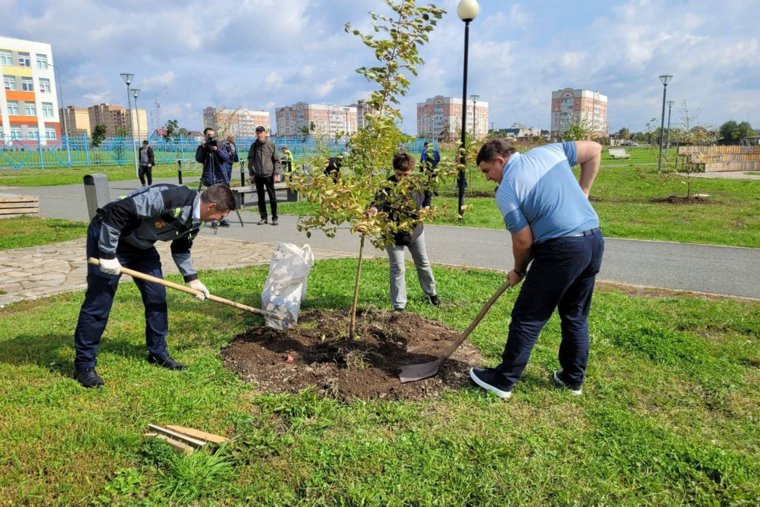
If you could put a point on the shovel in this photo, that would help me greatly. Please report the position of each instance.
(194, 292)
(415, 372)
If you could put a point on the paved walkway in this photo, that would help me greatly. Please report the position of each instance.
(710, 269)
(30, 273)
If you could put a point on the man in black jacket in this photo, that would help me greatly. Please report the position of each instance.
(264, 166)
(124, 233)
(403, 164)
(147, 161)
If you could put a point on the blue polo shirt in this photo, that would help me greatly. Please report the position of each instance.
(539, 189)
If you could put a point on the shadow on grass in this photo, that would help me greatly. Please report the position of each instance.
(55, 352)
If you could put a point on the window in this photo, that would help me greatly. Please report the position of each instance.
(6, 58)
(32, 133)
(50, 134)
(15, 133)
(30, 109)
(42, 62)
(47, 109)
(9, 82)
(27, 84)
(12, 107)
(24, 60)
(44, 85)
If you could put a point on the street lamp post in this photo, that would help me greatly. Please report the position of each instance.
(135, 93)
(664, 79)
(670, 106)
(467, 10)
(127, 77)
(62, 108)
(346, 109)
(474, 99)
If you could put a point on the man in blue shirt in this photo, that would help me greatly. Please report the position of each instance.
(555, 229)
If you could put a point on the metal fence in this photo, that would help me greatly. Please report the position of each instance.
(77, 151)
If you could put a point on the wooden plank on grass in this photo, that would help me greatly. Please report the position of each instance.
(18, 198)
(177, 436)
(20, 211)
(201, 435)
(178, 446)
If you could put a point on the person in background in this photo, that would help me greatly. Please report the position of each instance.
(216, 164)
(403, 164)
(147, 161)
(555, 231)
(287, 161)
(123, 233)
(264, 167)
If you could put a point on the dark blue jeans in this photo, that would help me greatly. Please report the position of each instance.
(101, 289)
(561, 276)
(265, 183)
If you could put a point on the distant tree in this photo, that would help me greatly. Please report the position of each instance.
(171, 130)
(624, 133)
(732, 132)
(578, 130)
(98, 134)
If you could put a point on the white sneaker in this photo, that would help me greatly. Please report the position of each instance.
(558, 380)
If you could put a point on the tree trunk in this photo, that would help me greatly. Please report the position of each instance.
(354, 304)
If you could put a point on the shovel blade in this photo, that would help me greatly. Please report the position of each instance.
(420, 371)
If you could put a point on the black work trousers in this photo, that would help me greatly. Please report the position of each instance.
(265, 183)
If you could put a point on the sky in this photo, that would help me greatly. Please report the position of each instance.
(263, 54)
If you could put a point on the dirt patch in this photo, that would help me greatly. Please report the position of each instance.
(674, 199)
(318, 354)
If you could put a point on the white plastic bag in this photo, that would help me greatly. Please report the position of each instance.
(286, 284)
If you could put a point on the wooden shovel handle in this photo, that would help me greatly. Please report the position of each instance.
(183, 288)
(476, 321)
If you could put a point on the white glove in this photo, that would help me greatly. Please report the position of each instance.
(110, 266)
(198, 285)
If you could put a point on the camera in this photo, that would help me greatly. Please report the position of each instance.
(211, 141)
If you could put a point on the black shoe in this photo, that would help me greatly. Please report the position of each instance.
(166, 362)
(274, 221)
(224, 223)
(557, 378)
(398, 309)
(434, 300)
(262, 221)
(88, 377)
(490, 380)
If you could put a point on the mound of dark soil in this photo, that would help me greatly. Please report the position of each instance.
(318, 354)
(674, 199)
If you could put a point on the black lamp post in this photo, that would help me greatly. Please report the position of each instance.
(664, 79)
(667, 141)
(467, 10)
(135, 93)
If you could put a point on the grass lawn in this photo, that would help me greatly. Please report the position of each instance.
(31, 231)
(624, 196)
(669, 413)
(70, 176)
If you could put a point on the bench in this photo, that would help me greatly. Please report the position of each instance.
(241, 193)
(617, 153)
(17, 205)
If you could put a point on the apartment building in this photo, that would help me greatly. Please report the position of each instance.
(239, 122)
(76, 119)
(117, 120)
(571, 106)
(327, 120)
(441, 118)
(28, 104)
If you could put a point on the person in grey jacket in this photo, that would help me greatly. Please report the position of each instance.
(264, 167)
(123, 232)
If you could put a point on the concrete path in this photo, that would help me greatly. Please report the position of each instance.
(701, 268)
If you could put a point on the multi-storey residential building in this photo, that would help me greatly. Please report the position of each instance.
(118, 120)
(571, 106)
(239, 122)
(302, 119)
(28, 103)
(76, 119)
(441, 118)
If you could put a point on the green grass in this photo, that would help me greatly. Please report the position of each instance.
(69, 176)
(24, 232)
(668, 416)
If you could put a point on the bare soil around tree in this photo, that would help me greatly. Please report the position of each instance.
(318, 354)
